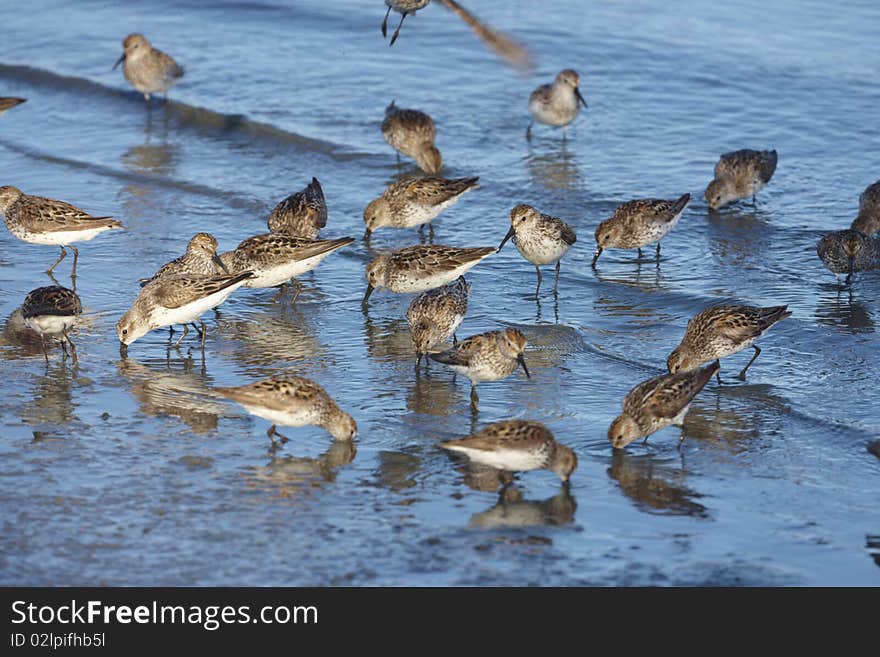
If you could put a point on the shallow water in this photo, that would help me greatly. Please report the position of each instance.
(133, 472)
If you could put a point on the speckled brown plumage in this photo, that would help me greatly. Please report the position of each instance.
(540, 238)
(302, 214)
(147, 69)
(433, 316)
(8, 103)
(415, 201)
(849, 251)
(740, 174)
(52, 310)
(200, 259)
(637, 223)
(412, 133)
(868, 220)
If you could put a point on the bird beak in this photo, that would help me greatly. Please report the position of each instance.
(522, 361)
(596, 256)
(367, 295)
(367, 234)
(219, 263)
(123, 350)
(118, 61)
(510, 234)
(577, 92)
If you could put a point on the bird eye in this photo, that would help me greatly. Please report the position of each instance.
(124, 331)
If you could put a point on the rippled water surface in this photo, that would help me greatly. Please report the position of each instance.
(133, 472)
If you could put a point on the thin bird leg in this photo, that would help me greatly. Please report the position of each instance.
(385, 23)
(474, 397)
(43, 345)
(197, 329)
(60, 258)
(272, 433)
(718, 376)
(72, 346)
(64, 348)
(418, 361)
(658, 250)
(397, 31)
(203, 331)
(645, 441)
(538, 269)
(564, 136)
(742, 375)
(640, 253)
(281, 290)
(556, 285)
(431, 232)
(75, 258)
(180, 339)
(298, 289)
(454, 339)
(529, 131)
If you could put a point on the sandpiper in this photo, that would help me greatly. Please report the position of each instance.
(849, 251)
(146, 68)
(302, 214)
(275, 259)
(868, 221)
(9, 103)
(720, 331)
(292, 401)
(740, 174)
(484, 357)
(41, 220)
(421, 267)
(639, 223)
(412, 133)
(556, 104)
(658, 403)
(200, 259)
(404, 8)
(52, 311)
(517, 446)
(179, 299)
(415, 202)
(433, 316)
(540, 238)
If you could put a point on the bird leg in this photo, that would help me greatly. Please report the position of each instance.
(385, 23)
(281, 290)
(474, 397)
(556, 285)
(296, 292)
(640, 253)
(658, 250)
(563, 134)
(272, 433)
(431, 232)
(742, 375)
(180, 339)
(72, 346)
(60, 258)
(529, 131)
(203, 332)
(538, 269)
(75, 258)
(397, 31)
(454, 339)
(43, 345)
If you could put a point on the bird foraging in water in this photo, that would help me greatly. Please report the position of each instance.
(540, 239)
(847, 252)
(41, 220)
(292, 401)
(639, 223)
(433, 316)
(556, 104)
(516, 446)
(200, 259)
(485, 357)
(412, 133)
(415, 202)
(740, 174)
(721, 331)
(8, 103)
(302, 214)
(868, 221)
(657, 403)
(52, 311)
(146, 68)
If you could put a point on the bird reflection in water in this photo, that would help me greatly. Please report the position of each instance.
(645, 276)
(389, 339)
(654, 486)
(837, 308)
(397, 470)
(293, 476)
(511, 510)
(557, 169)
(263, 342)
(51, 398)
(432, 395)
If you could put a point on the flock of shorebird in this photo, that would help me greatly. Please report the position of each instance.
(182, 290)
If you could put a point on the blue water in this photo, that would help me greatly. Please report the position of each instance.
(131, 472)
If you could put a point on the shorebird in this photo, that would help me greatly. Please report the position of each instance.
(639, 223)
(146, 68)
(740, 174)
(412, 133)
(302, 214)
(540, 239)
(485, 357)
(52, 311)
(657, 403)
(721, 331)
(200, 259)
(516, 446)
(868, 221)
(292, 401)
(433, 316)
(421, 267)
(415, 202)
(556, 104)
(849, 251)
(41, 220)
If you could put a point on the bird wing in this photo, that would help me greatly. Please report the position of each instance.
(53, 215)
(462, 353)
(177, 291)
(512, 52)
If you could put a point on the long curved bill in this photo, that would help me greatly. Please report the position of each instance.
(522, 361)
(367, 295)
(577, 92)
(118, 61)
(219, 263)
(510, 234)
(596, 256)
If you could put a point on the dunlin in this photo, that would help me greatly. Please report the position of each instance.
(740, 174)
(52, 311)
(485, 357)
(868, 221)
(540, 238)
(8, 103)
(639, 223)
(849, 251)
(433, 316)
(275, 259)
(517, 446)
(302, 214)
(200, 259)
(146, 68)
(412, 133)
(292, 401)
(556, 104)
(720, 331)
(41, 220)
(415, 202)
(422, 267)
(657, 403)
(179, 299)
